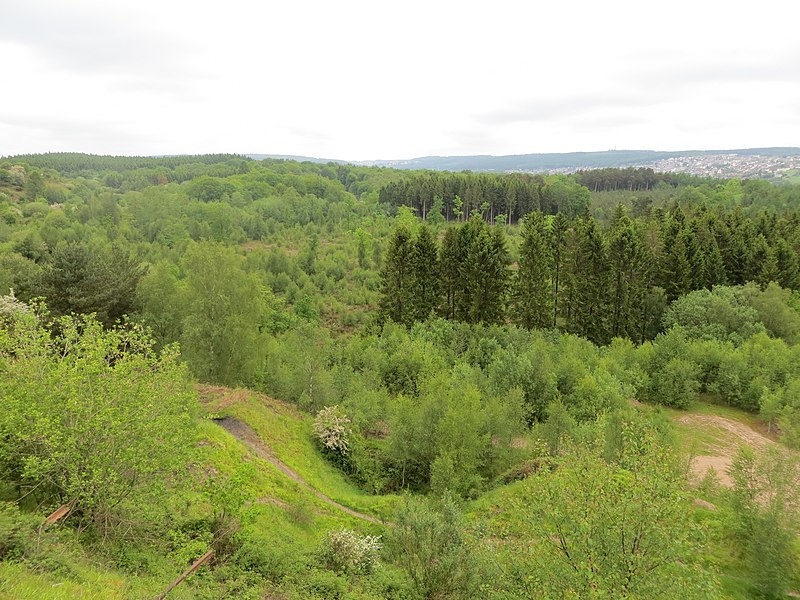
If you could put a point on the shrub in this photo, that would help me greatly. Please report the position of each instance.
(345, 551)
(331, 427)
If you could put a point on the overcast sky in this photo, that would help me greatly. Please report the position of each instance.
(369, 80)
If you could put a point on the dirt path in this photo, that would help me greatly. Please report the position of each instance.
(245, 434)
(732, 434)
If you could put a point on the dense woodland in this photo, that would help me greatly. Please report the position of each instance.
(496, 366)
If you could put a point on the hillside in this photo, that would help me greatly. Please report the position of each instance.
(762, 163)
(285, 511)
(413, 381)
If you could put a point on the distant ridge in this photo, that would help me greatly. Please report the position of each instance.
(301, 158)
(548, 162)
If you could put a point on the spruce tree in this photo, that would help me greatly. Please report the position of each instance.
(496, 283)
(532, 299)
(590, 273)
(450, 258)
(629, 276)
(425, 275)
(558, 244)
(396, 301)
(788, 269)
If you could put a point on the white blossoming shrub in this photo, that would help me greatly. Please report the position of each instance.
(9, 305)
(346, 551)
(331, 427)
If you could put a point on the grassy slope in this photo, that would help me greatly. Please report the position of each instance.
(290, 518)
(696, 439)
(277, 511)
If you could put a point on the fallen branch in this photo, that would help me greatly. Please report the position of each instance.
(195, 565)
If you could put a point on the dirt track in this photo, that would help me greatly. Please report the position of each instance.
(732, 435)
(245, 434)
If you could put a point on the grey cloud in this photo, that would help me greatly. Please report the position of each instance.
(581, 106)
(75, 131)
(79, 40)
(681, 70)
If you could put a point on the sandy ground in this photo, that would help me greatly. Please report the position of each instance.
(732, 434)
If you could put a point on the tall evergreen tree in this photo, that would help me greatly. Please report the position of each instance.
(788, 268)
(424, 274)
(495, 286)
(450, 258)
(558, 244)
(531, 289)
(483, 273)
(629, 276)
(589, 284)
(396, 301)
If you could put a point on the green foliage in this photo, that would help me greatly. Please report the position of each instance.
(92, 417)
(347, 552)
(430, 544)
(225, 310)
(764, 498)
(720, 314)
(15, 532)
(397, 301)
(84, 279)
(611, 530)
(531, 288)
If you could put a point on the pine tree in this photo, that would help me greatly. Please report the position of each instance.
(531, 290)
(588, 277)
(396, 301)
(425, 275)
(629, 276)
(788, 269)
(450, 259)
(558, 243)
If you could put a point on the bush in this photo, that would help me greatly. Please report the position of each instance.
(331, 427)
(430, 545)
(266, 558)
(324, 585)
(345, 551)
(16, 530)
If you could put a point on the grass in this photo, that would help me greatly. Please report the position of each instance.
(279, 518)
(289, 435)
(708, 440)
(18, 581)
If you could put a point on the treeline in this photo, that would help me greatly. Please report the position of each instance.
(635, 179)
(573, 275)
(459, 196)
(75, 164)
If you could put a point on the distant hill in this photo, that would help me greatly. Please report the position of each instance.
(559, 162)
(300, 158)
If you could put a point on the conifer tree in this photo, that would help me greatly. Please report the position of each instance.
(450, 258)
(558, 242)
(590, 271)
(396, 278)
(629, 276)
(676, 276)
(531, 290)
(495, 286)
(424, 274)
(788, 269)
(769, 268)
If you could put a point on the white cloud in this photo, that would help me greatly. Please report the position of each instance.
(365, 80)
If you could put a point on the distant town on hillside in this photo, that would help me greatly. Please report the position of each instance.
(778, 164)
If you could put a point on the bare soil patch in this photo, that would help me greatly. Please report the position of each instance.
(732, 435)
